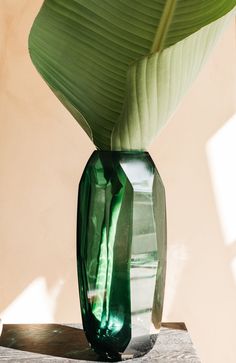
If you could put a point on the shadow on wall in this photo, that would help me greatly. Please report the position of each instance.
(43, 153)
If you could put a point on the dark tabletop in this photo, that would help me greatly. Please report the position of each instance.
(47, 343)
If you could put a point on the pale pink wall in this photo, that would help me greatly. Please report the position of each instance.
(42, 154)
(201, 285)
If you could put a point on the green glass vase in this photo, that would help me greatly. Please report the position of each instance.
(121, 252)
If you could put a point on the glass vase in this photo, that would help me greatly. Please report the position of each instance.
(121, 252)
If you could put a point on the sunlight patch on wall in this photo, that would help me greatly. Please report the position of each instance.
(221, 154)
(233, 268)
(36, 304)
(177, 256)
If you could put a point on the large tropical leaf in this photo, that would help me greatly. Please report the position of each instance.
(156, 84)
(121, 67)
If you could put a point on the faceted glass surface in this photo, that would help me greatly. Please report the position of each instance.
(121, 252)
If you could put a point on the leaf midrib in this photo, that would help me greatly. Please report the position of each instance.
(163, 26)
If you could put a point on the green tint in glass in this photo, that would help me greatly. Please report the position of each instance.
(121, 252)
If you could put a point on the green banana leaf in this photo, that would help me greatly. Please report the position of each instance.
(121, 67)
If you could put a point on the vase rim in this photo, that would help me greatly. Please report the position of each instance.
(123, 151)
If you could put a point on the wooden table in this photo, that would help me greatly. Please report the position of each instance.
(48, 343)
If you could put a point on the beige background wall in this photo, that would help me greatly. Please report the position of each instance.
(42, 154)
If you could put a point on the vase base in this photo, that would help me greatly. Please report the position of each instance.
(138, 347)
